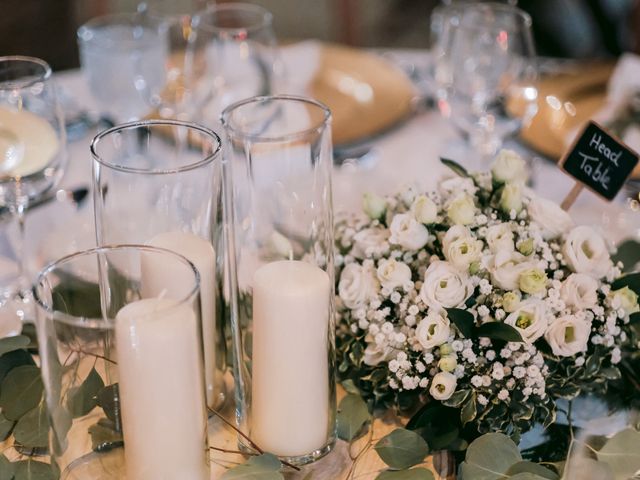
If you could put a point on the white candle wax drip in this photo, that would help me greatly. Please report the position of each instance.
(290, 366)
(161, 391)
(200, 252)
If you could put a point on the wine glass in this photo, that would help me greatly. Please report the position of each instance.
(124, 58)
(231, 57)
(32, 158)
(485, 72)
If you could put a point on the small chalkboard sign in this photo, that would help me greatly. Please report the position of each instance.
(599, 161)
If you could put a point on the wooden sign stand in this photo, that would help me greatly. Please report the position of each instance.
(572, 196)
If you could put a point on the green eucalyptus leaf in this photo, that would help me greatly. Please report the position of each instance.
(531, 468)
(413, 474)
(104, 436)
(498, 331)
(457, 398)
(9, 344)
(7, 468)
(6, 426)
(469, 410)
(527, 476)
(455, 167)
(21, 391)
(32, 430)
(261, 467)
(631, 280)
(14, 359)
(622, 453)
(611, 373)
(33, 470)
(463, 320)
(402, 449)
(584, 468)
(489, 457)
(352, 415)
(81, 400)
(628, 253)
(350, 387)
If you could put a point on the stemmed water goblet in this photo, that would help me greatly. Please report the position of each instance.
(32, 159)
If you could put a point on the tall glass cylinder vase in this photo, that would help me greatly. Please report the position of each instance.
(279, 155)
(159, 183)
(119, 334)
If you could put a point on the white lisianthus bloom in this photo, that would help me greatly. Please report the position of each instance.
(367, 239)
(433, 331)
(358, 285)
(511, 197)
(500, 238)
(624, 298)
(445, 286)
(579, 291)
(568, 335)
(505, 269)
(511, 301)
(509, 167)
(374, 353)
(424, 209)
(373, 205)
(462, 210)
(531, 319)
(460, 248)
(586, 252)
(443, 385)
(407, 232)
(393, 274)
(552, 219)
(448, 363)
(532, 280)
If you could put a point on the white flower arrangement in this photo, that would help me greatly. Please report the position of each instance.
(482, 296)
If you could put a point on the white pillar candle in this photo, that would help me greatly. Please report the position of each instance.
(290, 364)
(200, 252)
(161, 391)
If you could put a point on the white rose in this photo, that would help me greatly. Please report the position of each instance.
(433, 331)
(586, 252)
(358, 285)
(374, 353)
(624, 298)
(443, 385)
(457, 185)
(461, 210)
(460, 248)
(509, 167)
(367, 239)
(505, 268)
(500, 238)
(392, 273)
(511, 197)
(568, 335)
(579, 291)
(373, 205)
(424, 209)
(552, 219)
(445, 286)
(531, 319)
(407, 232)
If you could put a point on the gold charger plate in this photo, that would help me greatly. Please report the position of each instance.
(366, 94)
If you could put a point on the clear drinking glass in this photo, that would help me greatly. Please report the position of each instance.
(32, 159)
(232, 56)
(159, 182)
(124, 58)
(486, 72)
(279, 214)
(119, 335)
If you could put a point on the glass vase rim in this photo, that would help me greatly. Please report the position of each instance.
(294, 135)
(107, 18)
(514, 10)
(210, 158)
(266, 17)
(25, 83)
(102, 322)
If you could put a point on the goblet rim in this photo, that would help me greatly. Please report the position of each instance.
(266, 18)
(499, 7)
(116, 18)
(209, 158)
(295, 135)
(104, 322)
(26, 83)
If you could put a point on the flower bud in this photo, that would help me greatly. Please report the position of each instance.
(532, 280)
(624, 298)
(424, 209)
(373, 205)
(448, 363)
(510, 301)
(508, 166)
(526, 247)
(462, 210)
(445, 349)
(511, 197)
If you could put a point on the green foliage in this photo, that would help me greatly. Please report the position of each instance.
(631, 280)
(489, 458)
(14, 359)
(32, 430)
(33, 470)
(498, 331)
(455, 167)
(526, 467)
(402, 449)
(261, 467)
(413, 474)
(21, 391)
(9, 344)
(6, 468)
(84, 398)
(352, 416)
(463, 320)
(6, 426)
(622, 453)
(628, 253)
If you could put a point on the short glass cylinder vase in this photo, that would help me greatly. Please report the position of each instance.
(119, 333)
(278, 195)
(159, 183)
